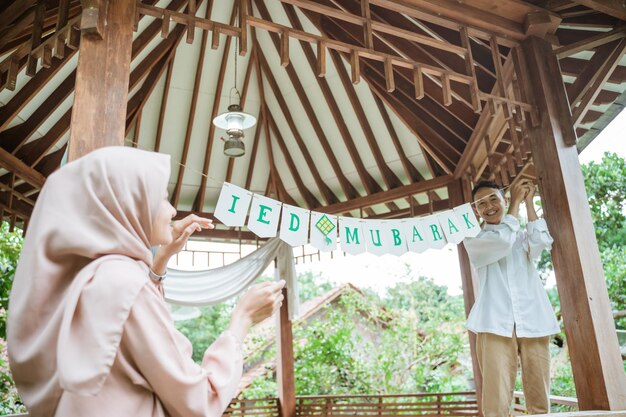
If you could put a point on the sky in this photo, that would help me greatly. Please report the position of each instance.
(379, 273)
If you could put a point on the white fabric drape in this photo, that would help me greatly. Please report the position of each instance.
(213, 286)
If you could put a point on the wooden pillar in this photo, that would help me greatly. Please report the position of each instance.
(596, 362)
(460, 195)
(102, 76)
(284, 367)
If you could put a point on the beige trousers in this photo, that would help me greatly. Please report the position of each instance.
(497, 358)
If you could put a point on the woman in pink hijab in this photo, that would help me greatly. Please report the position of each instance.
(89, 333)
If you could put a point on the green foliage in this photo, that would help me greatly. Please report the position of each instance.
(411, 340)
(9, 399)
(10, 247)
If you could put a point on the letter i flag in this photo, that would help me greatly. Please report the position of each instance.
(232, 205)
(294, 225)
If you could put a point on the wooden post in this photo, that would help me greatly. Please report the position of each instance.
(284, 367)
(596, 362)
(460, 195)
(102, 77)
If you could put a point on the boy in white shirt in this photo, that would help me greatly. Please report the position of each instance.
(512, 315)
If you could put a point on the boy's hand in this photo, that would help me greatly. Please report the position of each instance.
(530, 192)
(518, 191)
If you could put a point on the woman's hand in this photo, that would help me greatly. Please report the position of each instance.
(258, 303)
(181, 232)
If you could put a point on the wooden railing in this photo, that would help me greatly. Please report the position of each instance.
(461, 404)
(562, 403)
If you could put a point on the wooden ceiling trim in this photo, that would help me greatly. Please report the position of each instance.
(409, 169)
(346, 185)
(389, 195)
(163, 107)
(603, 74)
(10, 110)
(40, 10)
(14, 165)
(615, 8)
(140, 98)
(589, 74)
(244, 96)
(457, 119)
(23, 21)
(325, 190)
(591, 43)
(389, 177)
(418, 210)
(255, 147)
(198, 203)
(368, 182)
(425, 136)
(14, 9)
(453, 15)
(419, 52)
(13, 138)
(308, 196)
(62, 18)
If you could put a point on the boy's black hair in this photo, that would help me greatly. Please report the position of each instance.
(485, 184)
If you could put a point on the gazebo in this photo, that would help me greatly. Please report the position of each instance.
(377, 109)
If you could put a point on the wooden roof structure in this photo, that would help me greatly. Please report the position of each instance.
(371, 108)
(400, 101)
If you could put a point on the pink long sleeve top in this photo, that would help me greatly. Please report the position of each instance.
(153, 374)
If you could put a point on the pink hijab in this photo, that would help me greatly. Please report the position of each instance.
(85, 259)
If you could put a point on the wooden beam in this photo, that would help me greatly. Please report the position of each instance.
(389, 195)
(389, 177)
(602, 76)
(255, 147)
(594, 351)
(590, 43)
(12, 10)
(163, 107)
(102, 76)
(199, 200)
(324, 189)
(345, 184)
(14, 165)
(615, 8)
(285, 380)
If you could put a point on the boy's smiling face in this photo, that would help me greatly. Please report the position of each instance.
(490, 205)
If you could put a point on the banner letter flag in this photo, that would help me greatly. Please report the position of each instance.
(264, 216)
(434, 233)
(377, 237)
(451, 226)
(415, 234)
(232, 205)
(397, 244)
(469, 222)
(351, 235)
(294, 225)
(323, 231)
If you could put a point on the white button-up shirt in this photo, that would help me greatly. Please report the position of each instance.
(510, 295)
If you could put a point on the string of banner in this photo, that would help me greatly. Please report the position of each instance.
(299, 226)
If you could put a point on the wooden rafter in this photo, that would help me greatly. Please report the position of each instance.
(163, 107)
(198, 203)
(594, 89)
(255, 147)
(326, 192)
(345, 184)
(591, 42)
(389, 177)
(615, 8)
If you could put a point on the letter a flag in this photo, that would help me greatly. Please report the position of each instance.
(232, 205)
(415, 234)
(323, 231)
(469, 222)
(451, 226)
(264, 216)
(351, 235)
(294, 225)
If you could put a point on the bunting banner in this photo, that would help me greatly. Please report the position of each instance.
(300, 226)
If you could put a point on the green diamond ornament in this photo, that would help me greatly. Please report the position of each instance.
(325, 226)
